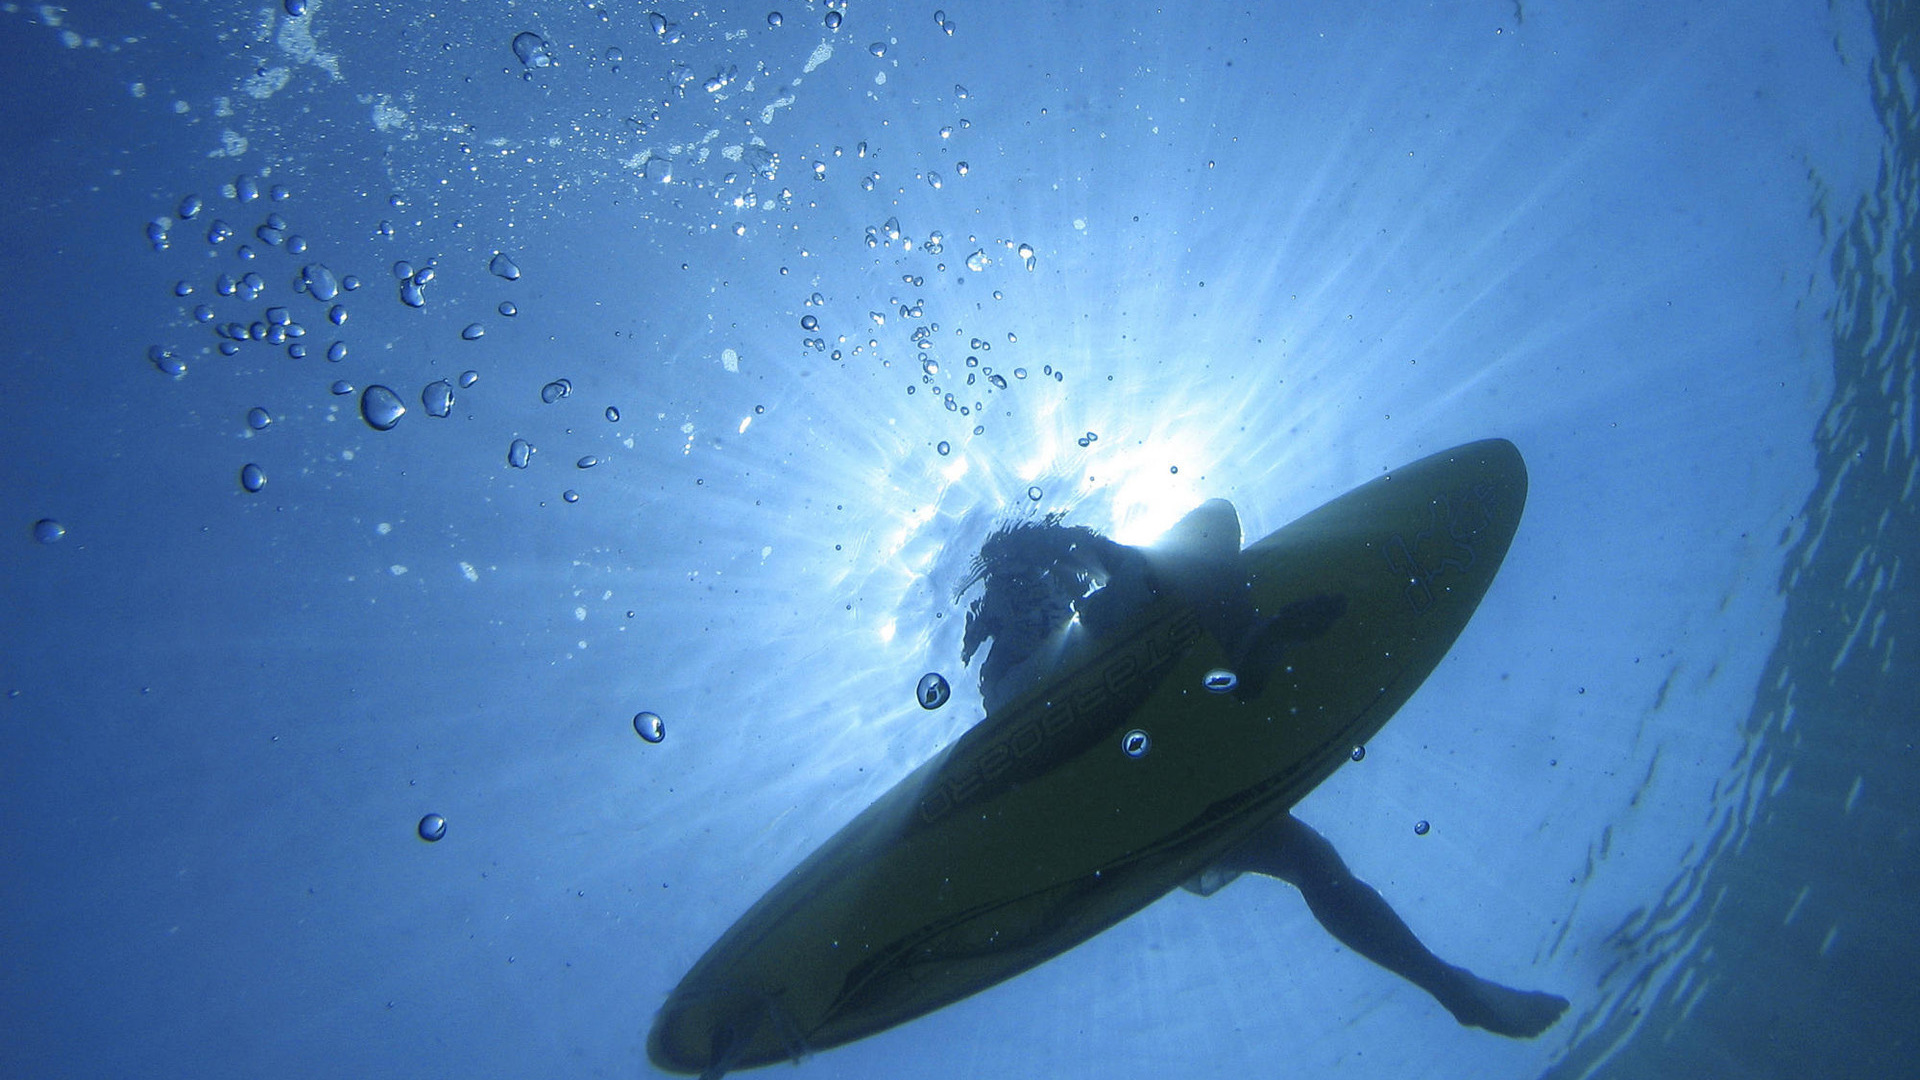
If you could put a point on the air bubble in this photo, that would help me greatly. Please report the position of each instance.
(933, 690)
(649, 726)
(432, 828)
(437, 398)
(1219, 680)
(468, 378)
(381, 408)
(944, 448)
(503, 267)
(473, 332)
(1035, 493)
(258, 418)
(1359, 753)
(519, 453)
(613, 415)
(587, 462)
(1136, 743)
(251, 478)
(1420, 827)
(48, 531)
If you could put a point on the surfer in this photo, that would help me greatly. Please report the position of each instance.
(1049, 590)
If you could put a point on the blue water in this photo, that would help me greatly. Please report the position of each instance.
(1668, 250)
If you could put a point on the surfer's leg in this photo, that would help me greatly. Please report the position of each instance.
(1354, 913)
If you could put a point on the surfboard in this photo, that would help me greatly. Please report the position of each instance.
(1089, 797)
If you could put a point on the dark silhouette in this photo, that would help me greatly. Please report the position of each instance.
(1049, 589)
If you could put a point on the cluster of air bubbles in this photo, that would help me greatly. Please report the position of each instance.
(940, 19)
(721, 79)
(413, 282)
(1088, 439)
(532, 50)
(933, 691)
(664, 29)
(164, 359)
(519, 453)
(978, 261)
(556, 390)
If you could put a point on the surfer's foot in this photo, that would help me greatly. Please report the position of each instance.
(1517, 1014)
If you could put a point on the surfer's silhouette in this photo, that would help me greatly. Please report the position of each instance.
(1050, 590)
